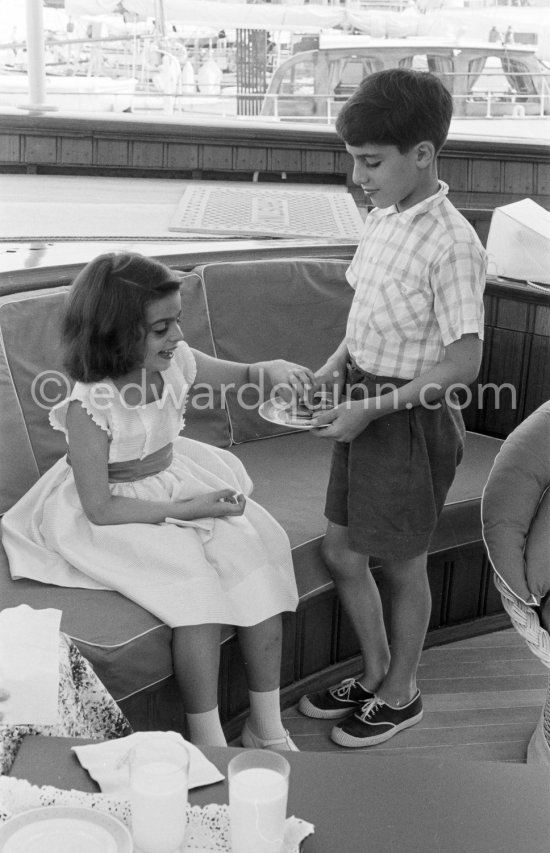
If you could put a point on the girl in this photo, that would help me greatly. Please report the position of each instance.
(161, 518)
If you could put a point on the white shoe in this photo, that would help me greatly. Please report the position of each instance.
(252, 741)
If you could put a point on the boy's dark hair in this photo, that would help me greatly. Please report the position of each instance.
(103, 325)
(397, 107)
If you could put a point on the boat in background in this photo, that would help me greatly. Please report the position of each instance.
(486, 79)
(95, 94)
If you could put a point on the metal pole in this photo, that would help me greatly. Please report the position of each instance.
(36, 66)
(160, 20)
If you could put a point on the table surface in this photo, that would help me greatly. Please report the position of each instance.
(366, 802)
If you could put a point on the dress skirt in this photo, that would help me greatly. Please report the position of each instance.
(235, 570)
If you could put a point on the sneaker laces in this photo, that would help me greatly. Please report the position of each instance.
(344, 689)
(369, 708)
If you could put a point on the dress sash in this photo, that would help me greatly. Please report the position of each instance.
(139, 469)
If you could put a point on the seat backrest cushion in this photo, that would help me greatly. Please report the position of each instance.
(515, 507)
(291, 308)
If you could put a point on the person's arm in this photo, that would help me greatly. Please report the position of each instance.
(460, 366)
(332, 374)
(284, 376)
(89, 450)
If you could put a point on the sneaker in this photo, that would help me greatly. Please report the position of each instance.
(336, 701)
(376, 722)
(252, 741)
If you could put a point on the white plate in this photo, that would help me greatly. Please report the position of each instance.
(279, 413)
(64, 829)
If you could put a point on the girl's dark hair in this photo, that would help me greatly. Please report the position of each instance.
(104, 322)
(397, 107)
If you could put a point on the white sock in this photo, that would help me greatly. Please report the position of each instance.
(265, 714)
(206, 729)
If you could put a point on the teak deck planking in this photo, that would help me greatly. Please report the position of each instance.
(482, 699)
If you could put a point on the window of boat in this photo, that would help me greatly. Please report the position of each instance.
(299, 79)
(518, 76)
(501, 76)
(441, 66)
(294, 96)
(346, 74)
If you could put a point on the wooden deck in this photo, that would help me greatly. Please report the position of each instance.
(482, 699)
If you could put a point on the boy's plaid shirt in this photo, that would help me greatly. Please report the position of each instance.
(419, 277)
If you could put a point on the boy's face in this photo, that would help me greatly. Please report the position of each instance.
(389, 177)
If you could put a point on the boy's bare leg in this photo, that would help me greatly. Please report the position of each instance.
(358, 594)
(410, 597)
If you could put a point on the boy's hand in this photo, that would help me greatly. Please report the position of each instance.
(343, 423)
(212, 505)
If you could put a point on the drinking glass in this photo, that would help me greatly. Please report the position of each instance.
(258, 792)
(159, 776)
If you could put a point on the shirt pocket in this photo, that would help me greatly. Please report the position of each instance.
(401, 309)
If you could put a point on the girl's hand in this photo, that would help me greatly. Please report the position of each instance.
(343, 423)
(211, 505)
(290, 381)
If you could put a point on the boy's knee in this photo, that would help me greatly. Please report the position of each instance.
(341, 562)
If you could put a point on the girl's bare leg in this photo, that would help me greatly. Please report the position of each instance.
(261, 651)
(261, 647)
(196, 660)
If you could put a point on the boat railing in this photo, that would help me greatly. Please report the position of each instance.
(526, 97)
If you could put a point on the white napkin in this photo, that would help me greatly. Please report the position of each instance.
(108, 763)
(198, 523)
(29, 665)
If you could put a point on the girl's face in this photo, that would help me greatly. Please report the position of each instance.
(162, 331)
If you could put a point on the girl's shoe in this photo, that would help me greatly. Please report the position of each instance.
(252, 741)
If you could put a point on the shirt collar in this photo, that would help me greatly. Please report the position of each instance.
(416, 209)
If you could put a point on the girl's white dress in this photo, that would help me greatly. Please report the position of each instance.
(235, 570)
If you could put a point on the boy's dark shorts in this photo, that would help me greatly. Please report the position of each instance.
(388, 486)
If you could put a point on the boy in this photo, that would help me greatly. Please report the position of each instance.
(414, 332)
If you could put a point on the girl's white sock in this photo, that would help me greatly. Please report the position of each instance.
(206, 729)
(265, 714)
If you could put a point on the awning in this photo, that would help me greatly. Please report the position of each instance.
(263, 16)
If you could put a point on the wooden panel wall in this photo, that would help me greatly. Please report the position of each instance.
(480, 175)
(515, 372)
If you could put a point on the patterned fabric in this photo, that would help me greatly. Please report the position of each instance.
(85, 708)
(418, 277)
